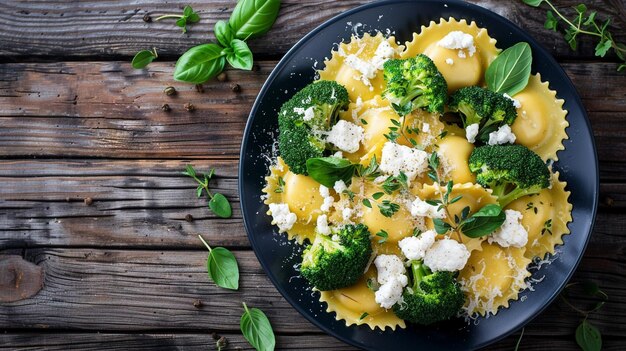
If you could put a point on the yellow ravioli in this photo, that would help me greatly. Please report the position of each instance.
(540, 123)
(349, 304)
(462, 72)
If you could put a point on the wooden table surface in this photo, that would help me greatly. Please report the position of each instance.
(77, 122)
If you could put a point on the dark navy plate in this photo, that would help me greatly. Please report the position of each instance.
(577, 163)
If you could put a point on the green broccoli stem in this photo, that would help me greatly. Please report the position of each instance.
(505, 198)
(411, 96)
(419, 270)
(469, 116)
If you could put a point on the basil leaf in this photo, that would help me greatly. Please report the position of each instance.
(220, 206)
(441, 227)
(483, 222)
(257, 329)
(187, 11)
(490, 210)
(251, 18)
(534, 3)
(588, 337)
(142, 59)
(241, 57)
(328, 170)
(223, 33)
(222, 267)
(509, 72)
(200, 63)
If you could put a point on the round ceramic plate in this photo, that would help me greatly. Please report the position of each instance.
(577, 164)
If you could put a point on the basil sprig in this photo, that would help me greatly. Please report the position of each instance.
(328, 170)
(252, 18)
(218, 203)
(189, 16)
(222, 267)
(510, 71)
(200, 63)
(481, 223)
(257, 329)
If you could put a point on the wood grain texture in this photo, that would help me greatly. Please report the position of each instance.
(133, 291)
(107, 109)
(202, 342)
(123, 272)
(109, 29)
(143, 204)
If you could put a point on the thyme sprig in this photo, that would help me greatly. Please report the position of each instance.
(584, 23)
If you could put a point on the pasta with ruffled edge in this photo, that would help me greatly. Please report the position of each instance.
(507, 271)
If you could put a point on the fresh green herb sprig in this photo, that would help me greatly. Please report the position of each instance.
(250, 18)
(509, 72)
(588, 337)
(481, 223)
(394, 183)
(218, 203)
(143, 58)
(189, 16)
(584, 23)
(328, 170)
(222, 267)
(383, 235)
(257, 329)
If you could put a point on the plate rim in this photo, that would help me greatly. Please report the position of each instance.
(300, 43)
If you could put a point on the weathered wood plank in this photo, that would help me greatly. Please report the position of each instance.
(110, 29)
(143, 203)
(202, 342)
(165, 342)
(148, 290)
(110, 110)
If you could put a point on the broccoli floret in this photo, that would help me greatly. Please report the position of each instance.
(478, 105)
(415, 83)
(312, 110)
(511, 171)
(328, 264)
(432, 297)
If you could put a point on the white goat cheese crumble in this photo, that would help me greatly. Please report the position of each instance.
(414, 248)
(511, 233)
(322, 225)
(426, 127)
(340, 186)
(458, 40)
(282, 217)
(328, 200)
(388, 266)
(345, 135)
(369, 69)
(516, 102)
(503, 135)
(399, 158)
(446, 255)
(390, 293)
(420, 208)
(471, 132)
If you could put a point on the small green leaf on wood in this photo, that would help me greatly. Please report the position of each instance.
(257, 329)
(143, 58)
(220, 206)
(588, 337)
(222, 267)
